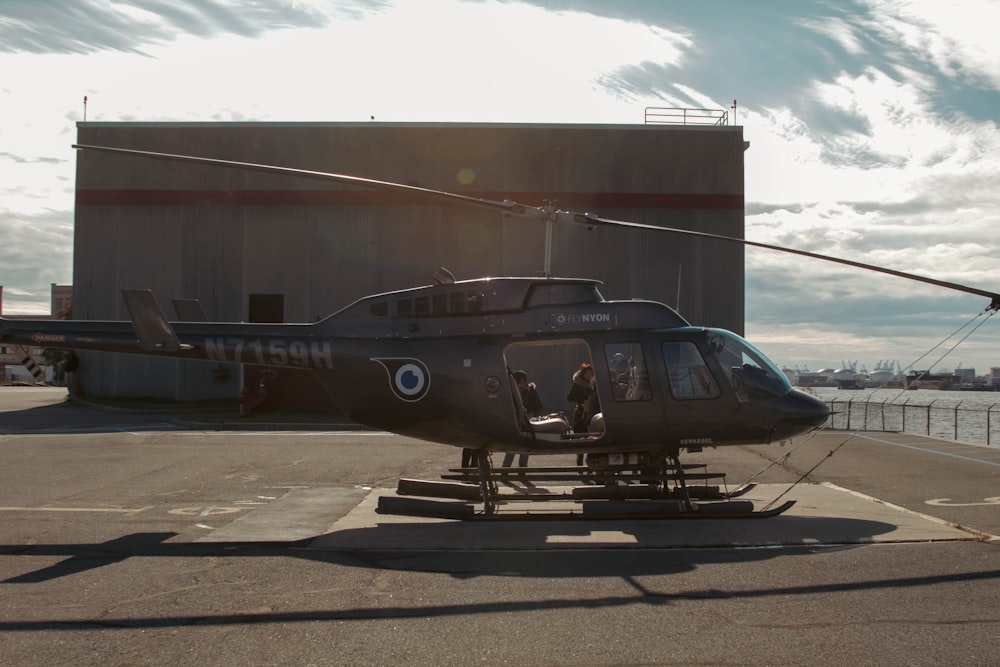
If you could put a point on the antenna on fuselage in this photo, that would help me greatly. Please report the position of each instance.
(680, 269)
(443, 276)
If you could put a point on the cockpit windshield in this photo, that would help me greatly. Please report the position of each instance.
(752, 375)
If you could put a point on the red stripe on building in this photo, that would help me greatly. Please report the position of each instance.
(564, 200)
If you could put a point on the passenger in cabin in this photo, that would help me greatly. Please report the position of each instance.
(583, 392)
(532, 404)
(530, 399)
(618, 367)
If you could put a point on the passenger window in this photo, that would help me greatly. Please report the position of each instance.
(627, 372)
(439, 304)
(404, 308)
(456, 302)
(380, 309)
(422, 306)
(475, 302)
(688, 373)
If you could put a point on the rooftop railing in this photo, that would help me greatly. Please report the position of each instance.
(677, 116)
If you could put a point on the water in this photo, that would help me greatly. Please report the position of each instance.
(965, 416)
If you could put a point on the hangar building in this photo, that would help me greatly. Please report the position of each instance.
(253, 246)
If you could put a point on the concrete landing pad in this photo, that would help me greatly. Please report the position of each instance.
(298, 515)
(823, 514)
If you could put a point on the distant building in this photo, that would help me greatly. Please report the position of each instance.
(966, 375)
(62, 300)
(929, 380)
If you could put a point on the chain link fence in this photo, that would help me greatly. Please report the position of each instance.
(973, 424)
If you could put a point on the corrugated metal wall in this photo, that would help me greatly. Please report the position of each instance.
(220, 235)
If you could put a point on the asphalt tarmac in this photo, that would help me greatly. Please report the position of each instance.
(127, 539)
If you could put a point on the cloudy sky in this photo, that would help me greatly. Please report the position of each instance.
(872, 125)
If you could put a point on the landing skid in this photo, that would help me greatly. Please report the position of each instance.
(671, 491)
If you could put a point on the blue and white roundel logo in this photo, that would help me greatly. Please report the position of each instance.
(409, 379)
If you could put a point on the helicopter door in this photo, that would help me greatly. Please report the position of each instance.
(523, 423)
(688, 373)
(625, 390)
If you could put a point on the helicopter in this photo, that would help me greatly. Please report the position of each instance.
(435, 363)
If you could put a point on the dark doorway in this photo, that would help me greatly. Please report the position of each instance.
(266, 308)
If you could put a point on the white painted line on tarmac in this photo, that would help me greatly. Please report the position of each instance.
(205, 511)
(141, 429)
(946, 502)
(932, 451)
(111, 510)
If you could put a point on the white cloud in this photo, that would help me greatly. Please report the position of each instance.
(838, 30)
(958, 38)
(509, 62)
(898, 185)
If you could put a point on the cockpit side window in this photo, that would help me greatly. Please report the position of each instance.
(629, 377)
(688, 372)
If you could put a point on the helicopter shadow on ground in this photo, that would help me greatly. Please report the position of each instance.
(466, 550)
(583, 548)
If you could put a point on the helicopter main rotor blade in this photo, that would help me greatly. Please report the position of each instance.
(994, 297)
(547, 213)
(359, 181)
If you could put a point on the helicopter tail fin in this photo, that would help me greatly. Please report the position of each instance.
(151, 325)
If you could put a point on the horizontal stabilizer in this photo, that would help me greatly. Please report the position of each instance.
(151, 325)
(189, 310)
